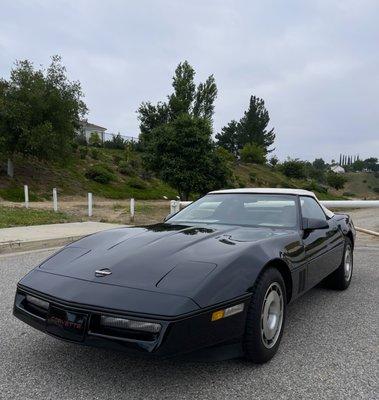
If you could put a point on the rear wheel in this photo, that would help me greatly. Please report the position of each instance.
(340, 279)
(265, 317)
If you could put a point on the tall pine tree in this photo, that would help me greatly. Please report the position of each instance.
(252, 128)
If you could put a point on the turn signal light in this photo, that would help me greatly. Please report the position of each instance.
(227, 312)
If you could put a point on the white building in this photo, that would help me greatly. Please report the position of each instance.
(337, 169)
(88, 129)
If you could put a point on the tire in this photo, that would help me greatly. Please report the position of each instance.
(340, 279)
(265, 317)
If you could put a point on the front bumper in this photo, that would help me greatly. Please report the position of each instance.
(178, 335)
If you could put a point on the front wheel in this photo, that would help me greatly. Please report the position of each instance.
(265, 317)
(340, 279)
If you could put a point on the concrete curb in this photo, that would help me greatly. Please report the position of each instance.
(17, 246)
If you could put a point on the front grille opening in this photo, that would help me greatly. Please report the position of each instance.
(131, 334)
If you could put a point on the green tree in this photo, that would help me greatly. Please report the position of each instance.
(358, 165)
(228, 137)
(94, 140)
(177, 136)
(274, 160)
(294, 168)
(117, 142)
(183, 155)
(252, 128)
(40, 112)
(335, 180)
(319, 164)
(371, 164)
(252, 153)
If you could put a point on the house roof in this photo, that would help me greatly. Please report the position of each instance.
(87, 124)
(337, 168)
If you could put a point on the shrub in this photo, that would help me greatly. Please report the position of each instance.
(117, 142)
(293, 168)
(17, 194)
(274, 161)
(95, 154)
(117, 159)
(336, 180)
(225, 154)
(252, 153)
(252, 176)
(137, 183)
(376, 189)
(315, 187)
(125, 168)
(83, 152)
(100, 174)
(80, 139)
(95, 140)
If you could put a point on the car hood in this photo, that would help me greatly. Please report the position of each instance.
(165, 258)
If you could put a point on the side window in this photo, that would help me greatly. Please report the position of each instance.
(311, 209)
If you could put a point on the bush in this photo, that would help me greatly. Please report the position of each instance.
(83, 152)
(293, 168)
(252, 176)
(376, 189)
(95, 154)
(17, 194)
(336, 180)
(225, 154)
(274, 161)
(117, 142)
(80, 139)
(100, 174)
(137, 183)
(315, 187)
(117, 159)
(252, 153)
(126, 168)
(95, 140)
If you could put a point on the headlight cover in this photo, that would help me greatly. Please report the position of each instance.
(123, 323)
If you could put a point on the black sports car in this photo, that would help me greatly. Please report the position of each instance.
(217, 275)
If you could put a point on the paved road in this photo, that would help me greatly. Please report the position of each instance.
(329, 351)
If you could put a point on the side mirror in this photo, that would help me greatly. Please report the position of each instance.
(311, 224)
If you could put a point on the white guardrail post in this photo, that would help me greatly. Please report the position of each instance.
(55, 200)
(132, 210)
(26, 195)
(175, 206)
(90, 204)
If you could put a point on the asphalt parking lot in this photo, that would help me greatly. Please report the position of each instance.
(329, 351)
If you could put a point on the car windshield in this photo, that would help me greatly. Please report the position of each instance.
(268, 210)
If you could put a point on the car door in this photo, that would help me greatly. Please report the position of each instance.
(322, 246)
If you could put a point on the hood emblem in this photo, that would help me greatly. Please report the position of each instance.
(102, 272)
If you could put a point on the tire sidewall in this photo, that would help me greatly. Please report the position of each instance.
(348, 244)
(253, 343)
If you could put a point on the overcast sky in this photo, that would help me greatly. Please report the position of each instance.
(315, 63)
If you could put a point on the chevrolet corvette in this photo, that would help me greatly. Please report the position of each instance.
(215, 278)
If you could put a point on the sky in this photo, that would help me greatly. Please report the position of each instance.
(315, 62)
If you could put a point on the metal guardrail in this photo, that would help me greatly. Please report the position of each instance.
(176, 205)
(350, 203)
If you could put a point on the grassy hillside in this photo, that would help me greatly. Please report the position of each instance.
(127, 178)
